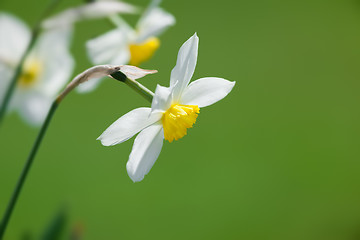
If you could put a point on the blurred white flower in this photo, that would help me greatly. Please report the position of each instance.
(174, 110)
(125, 45)
(45, 71)
(91, 10)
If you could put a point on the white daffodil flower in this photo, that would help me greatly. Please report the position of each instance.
(173, 111)
(45, 72)
(91, 10)
(125, 45)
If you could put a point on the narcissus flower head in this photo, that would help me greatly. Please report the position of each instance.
(45, 72)
(127, 45)
(174, 109)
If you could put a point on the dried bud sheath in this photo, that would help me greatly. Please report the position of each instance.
(94, 72)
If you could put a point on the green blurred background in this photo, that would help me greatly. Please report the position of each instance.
(278, 158)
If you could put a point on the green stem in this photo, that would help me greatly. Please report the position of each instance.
(25, 170)
(138, 87)
(117, 21)
(18, 70)
(34, 35)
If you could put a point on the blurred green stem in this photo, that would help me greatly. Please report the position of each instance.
(34, 35)
(135, 85)
(143, 91)
(15, 195)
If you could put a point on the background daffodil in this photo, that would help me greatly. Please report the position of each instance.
(91, 10)
(125, 45)
(174, 110)
(45, 72)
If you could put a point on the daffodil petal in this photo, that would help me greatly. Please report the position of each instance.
(88, 11)
(33, 107)
(206, 91)
(161, 100)
(146, 149)
(110, 48)
(185, 66)
(15, 37)
(154, 22)
(127, 126)
(52, 50)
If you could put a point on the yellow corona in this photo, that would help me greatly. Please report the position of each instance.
(177, 119)
(144, 51)
(30, 73)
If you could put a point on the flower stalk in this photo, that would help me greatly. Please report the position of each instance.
(94, 72)
(135, 85)
(34, 36)
(18, 70)
(25, 171)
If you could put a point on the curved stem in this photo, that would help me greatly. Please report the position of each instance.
(135, 85)
(139, 88)
(25, 170)
(18, 70)
(34, 35)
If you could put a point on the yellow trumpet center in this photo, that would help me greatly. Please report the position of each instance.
(30, 73)
(177, 119)
(144, 51)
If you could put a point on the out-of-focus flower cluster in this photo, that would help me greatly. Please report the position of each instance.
(48, 67)
(49, 64)
(36, 64)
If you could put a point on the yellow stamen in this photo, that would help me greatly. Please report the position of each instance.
(143, 51)
(30, 73)
(177, 119)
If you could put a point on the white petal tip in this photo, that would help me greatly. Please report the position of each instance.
(136, 180)
(103, 142)
(207, 91)
(134, 73)
(195, 36)
(132, 175)
(146, 149)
